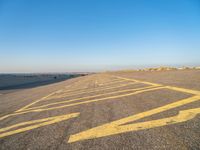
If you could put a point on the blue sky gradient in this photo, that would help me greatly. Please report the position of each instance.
(98, 35)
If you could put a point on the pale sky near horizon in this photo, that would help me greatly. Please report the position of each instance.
(98, 35)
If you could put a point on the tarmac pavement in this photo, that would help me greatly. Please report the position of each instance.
(105, 111)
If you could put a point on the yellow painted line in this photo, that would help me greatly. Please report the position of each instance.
(95, 100)
(35, 124)
(6, 116)
(97, 88)
(87, 88)
(111, 82)
(87, 97)
(23, 108)
(91, 91)
(144, 82)
(117, 127)
(103, 84)
(35, 102)
(73, 85)
(59, 91)
(183, 90)
(195, 92)
(88, 101)
(45, 97)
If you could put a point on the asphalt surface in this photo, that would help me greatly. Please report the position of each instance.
(108, 111)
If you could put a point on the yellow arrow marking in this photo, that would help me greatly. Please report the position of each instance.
(117, 127)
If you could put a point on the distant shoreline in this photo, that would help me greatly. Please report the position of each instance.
(10, 82)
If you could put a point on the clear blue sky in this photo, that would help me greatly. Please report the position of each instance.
(95, 35)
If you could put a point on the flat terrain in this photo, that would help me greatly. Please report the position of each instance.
(15, 82)
(108, 111)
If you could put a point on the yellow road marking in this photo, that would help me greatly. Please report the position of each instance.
(195, 92)
(183, 90)
(6, 116)
(43, 98)
(90, 91)
(97, 88)
(82, 98)
(87, 88)
(144, 82)
(23, 108)
(35, 102)
(118, 81)
(85, 102)
(35, 124)
(117, 127)
(114, 127)
(95, 100)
